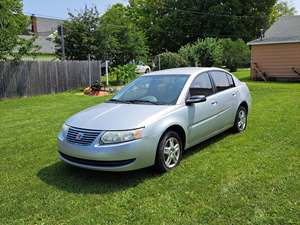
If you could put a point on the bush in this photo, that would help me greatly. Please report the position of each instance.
(208, 52)
(204, 52)
(124, 74)
(213, 52)
(169, 60)
(235, 54)
(187, 52)
(96, 86)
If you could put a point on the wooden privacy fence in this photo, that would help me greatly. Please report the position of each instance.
(29, 78)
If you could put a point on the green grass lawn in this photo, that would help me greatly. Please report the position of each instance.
(248, 178)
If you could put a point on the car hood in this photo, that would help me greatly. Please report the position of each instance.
(112, 116)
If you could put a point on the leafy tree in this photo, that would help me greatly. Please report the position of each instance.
(216, 52)
(169, 60)
(235, 54)
(281, 8)
(149, 17)
(170, 24)
(208, 52)
(111, 36)
(80, 35)
(187, 52)
(12, 24)
(120, 38)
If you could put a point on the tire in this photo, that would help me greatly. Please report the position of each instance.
(241, 120)
(147, 71)
(168, 159)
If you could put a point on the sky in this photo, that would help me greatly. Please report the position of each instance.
(60, 8)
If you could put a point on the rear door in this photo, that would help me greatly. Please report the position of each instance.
(226, 98)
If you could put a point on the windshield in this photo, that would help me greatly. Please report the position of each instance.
(155, 89)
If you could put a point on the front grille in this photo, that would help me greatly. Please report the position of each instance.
(88, 162)
(82, 136)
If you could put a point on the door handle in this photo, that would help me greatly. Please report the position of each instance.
(233, 94)
(214, 103)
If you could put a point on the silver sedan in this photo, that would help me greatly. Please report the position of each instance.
(152, 120)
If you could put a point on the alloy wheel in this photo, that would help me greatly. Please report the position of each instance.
(242, 120)
(171, 152)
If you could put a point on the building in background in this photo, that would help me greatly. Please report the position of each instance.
(276, 54)
(44, 29)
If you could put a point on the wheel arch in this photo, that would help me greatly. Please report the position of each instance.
(244, 104)
(179, 130)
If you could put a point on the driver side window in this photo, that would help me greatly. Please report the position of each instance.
(201, 86)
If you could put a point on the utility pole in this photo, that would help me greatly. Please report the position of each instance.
(106, 71)
(62, 42)
(158, 61)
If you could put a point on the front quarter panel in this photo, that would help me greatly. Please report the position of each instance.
(157, 128)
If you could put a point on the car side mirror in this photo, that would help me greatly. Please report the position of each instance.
(195, 99)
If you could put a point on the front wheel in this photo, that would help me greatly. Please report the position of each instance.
(241, 120)
(169, 152)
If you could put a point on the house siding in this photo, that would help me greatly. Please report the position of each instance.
(276, 60)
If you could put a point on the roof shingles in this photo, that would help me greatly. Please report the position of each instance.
(284, 30)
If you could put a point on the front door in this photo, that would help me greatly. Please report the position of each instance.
(202, 115)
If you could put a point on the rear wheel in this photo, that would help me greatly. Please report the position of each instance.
(241, 120)
(169, 152)
(147, 71)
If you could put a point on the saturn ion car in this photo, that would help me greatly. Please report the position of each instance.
(152, 120)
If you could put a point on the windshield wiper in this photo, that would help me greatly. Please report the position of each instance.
(117, 100)
(132, 101)
(142, 101)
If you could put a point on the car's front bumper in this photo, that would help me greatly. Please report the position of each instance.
(115, 157)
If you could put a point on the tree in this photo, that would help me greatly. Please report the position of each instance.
(111, 36)
(169, 60)
(216, 52)
(203, 52)
(170, 24)
(208, 52)
(235, 54)
(281, 8)
(80, 35)
(12, 24)
(149, 17)
(120, 38)
(187, 52)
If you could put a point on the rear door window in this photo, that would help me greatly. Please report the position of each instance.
(221, 81)
(230, 79)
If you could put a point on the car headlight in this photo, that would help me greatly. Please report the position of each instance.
(111, 137)
(65, 129)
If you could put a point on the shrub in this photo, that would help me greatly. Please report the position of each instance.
(169, 60)
(96, 86)
(208, 52)
(187, 52)
(235, 54)
(124, 74)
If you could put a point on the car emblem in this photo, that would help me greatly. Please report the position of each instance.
(79, 136)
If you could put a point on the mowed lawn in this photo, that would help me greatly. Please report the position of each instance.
(248, 178)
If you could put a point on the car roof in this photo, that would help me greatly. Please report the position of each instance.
(183, 71)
